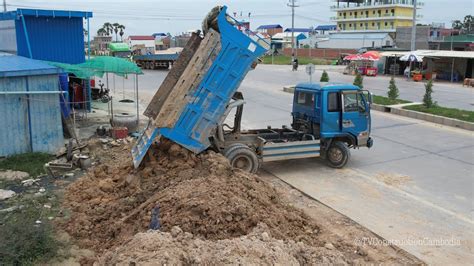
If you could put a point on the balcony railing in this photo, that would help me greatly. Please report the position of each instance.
(378, 4)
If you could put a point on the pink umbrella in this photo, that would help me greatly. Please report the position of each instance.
(352, 57)
(370, 56)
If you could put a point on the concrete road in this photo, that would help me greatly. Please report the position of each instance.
(414, 187)
(416, 183)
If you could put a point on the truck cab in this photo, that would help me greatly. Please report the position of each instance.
(337, 114)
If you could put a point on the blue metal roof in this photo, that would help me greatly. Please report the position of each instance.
(326, 27)
(326, 86)
(297, 30)
(44, 13)
(159, 34)
(271, 26)
(13, 66)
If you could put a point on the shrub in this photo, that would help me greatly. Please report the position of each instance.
(324, 77)
(392, 90)
(427, 99)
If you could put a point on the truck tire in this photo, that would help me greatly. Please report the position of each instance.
(243, 158)
(338, 154)
(232, 147)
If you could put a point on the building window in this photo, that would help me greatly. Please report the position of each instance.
(350, 13)
(361, 25)
(386, 24)
(373, 12)
(350, 25)
(340, 14)
(393, 11)
(373, 24)
(386, 11)
(366, 14)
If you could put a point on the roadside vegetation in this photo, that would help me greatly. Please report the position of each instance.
(387, 101)
(463, 115)
(286, 60)
(27, 235)
(32, 163)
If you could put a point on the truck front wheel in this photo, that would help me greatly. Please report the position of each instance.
(338, 154)
(243, 158)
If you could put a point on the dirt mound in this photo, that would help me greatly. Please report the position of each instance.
(182, 248)
(200, 194)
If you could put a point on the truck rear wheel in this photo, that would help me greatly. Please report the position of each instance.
(243, 158)
(338, 154)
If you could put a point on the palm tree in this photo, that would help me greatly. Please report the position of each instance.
(108, 28)
(101, 32)
(121, 28)
(116, 29)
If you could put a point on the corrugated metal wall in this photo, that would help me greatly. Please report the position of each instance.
(58, 39)
(44, 127)
(14, 133)
(45, 114)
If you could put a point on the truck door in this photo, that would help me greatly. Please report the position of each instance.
(355, 113)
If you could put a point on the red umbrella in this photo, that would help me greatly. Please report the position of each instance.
(352, 57)
(371, 56)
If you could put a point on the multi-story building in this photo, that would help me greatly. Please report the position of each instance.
(373, 15)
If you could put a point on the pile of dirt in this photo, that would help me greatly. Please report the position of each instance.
(200, 194)
(182, 248)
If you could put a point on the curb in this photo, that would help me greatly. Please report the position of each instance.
(397, 110)
(451, 122)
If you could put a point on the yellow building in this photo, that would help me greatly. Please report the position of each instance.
(373, 15)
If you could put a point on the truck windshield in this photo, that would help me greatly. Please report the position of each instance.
(354, 102)
(305, 98)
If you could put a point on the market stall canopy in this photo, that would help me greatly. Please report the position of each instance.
(110, 64)
(100, 65)
(431, 53)
(412, 58)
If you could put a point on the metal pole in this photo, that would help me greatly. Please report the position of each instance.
(452, 64)
(4, 5)
(138, 112)
(413, 29)
(292, 5)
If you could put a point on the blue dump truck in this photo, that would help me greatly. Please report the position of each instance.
(200, 91)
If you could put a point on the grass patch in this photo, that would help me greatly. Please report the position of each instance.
(24, 241)
(286, 60)
(463, 115)
(387, 101)
(32, 163)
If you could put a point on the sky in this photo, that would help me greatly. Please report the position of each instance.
(144, 17)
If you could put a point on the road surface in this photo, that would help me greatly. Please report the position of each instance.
(414, 187)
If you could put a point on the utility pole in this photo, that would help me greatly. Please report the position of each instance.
(292, 5)
(413, 29)
(4, 5)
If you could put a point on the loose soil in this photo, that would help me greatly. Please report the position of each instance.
(221, 215)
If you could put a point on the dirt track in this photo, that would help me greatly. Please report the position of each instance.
(219, 209)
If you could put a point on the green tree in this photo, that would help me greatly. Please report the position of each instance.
(108, 28)
(392, 90)
(427, 99)
(324, 77)
(466, 25)
(121, 31)
(115, 28)
(359, 80)
(101, 32)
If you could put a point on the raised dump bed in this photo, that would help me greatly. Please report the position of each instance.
(193, 98)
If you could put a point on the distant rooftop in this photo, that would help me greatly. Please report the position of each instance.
(359, 36)
(271, 26)
(326, 27)
(298, 30)
(159, 34)
(141, 37)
